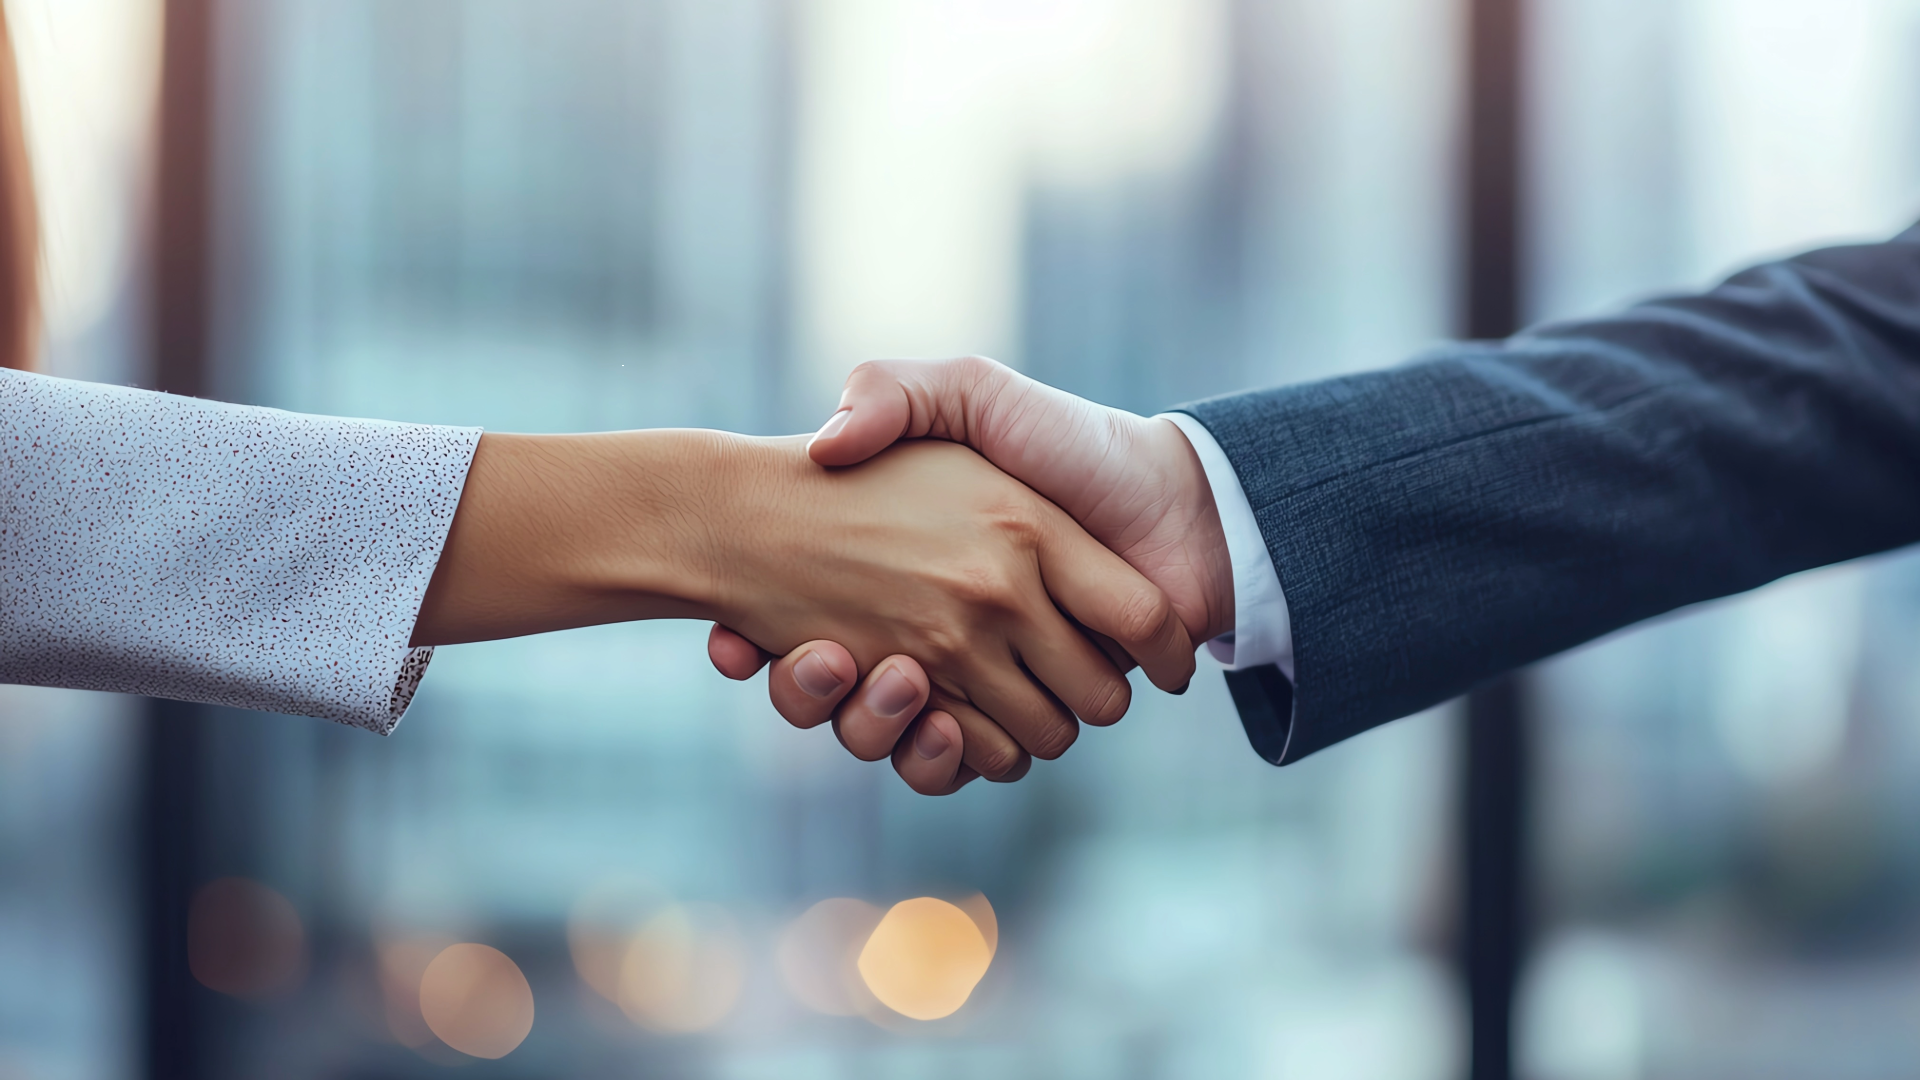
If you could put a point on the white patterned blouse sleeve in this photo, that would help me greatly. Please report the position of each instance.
(153, 544)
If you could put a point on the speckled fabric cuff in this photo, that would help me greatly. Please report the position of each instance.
(153, 544)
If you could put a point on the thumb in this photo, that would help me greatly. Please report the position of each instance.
(888, 400)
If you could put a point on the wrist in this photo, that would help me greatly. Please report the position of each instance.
(637, 528)
(1209, 610)
(559, 531)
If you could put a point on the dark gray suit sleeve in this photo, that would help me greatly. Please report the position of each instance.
(1490, 504)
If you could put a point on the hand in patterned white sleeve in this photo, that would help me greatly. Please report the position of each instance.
(1135, 484)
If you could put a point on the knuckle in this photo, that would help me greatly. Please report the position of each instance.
(997, 761)
(976, 367)
(1021, 520)
(1054, 739)
(1019, 772)
(1107, 703)
(984, 585)
(939, 645)
(1142, 616)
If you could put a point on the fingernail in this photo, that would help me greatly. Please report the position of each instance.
(892, 695)
(833, 425)
(814, 676)
(930, 743)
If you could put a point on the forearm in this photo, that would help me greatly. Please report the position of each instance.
(1437, 524)
(560, 531)
(927, 552)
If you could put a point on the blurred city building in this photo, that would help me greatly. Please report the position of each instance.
(587, 855)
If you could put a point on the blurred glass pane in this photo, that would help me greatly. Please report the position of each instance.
(614, 213)
(1725, 823)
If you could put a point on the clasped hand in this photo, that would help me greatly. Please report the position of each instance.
(930, 553)
(1126, 482)
(961, 608)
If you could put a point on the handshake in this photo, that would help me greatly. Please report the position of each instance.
(962, 601)
(983, 609)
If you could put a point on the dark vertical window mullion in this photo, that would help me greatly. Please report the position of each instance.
(171, 753)
(1493, 931)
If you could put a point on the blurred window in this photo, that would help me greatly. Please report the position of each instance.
(1726, 819)
(616, 213)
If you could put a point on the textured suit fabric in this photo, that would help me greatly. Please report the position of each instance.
(1489, 504)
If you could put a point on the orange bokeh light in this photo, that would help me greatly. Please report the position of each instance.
(245, 939)
(924, 958)
(819, 955)
(601, 927)
(981, 912)
(403, 961)
(476, 1000)
(683, 970)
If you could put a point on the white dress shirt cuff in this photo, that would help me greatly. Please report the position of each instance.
(1262, 632)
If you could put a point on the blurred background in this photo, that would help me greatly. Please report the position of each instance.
(587, 855)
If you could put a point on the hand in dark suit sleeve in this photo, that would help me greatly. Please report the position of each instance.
(1437, 524)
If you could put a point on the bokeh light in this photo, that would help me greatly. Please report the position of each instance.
(924, 958)
(980, 910)
(819, 953)
(601, 927)
(476, 1000)
(403, 962)
(683, 970)
(245, 939)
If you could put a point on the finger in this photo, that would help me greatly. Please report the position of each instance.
(1102, 593)
(874, 717)
(1114, 653)
(928, 758)
(808, 682)
(734, 656)
(888, 400)
(1016, 774)
(987, 749)
(1071, 666)
(1023, 708)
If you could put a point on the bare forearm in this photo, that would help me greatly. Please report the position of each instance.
(560, 531)
(927, 551)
